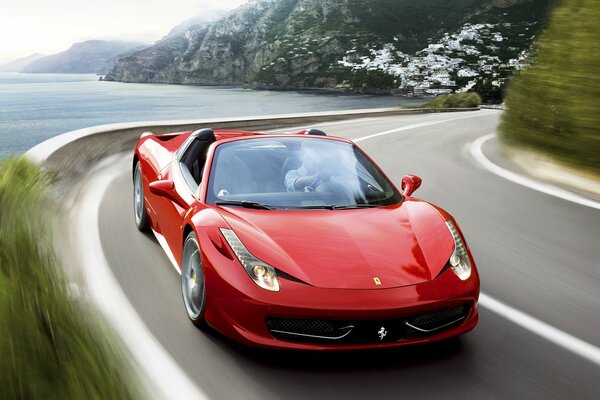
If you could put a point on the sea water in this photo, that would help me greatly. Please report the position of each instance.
(35, 107)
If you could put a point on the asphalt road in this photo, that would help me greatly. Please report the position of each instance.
(535, 253)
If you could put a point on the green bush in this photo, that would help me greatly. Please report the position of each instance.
(455, 100)
(49, 348)
(552, 107)
(372, 79)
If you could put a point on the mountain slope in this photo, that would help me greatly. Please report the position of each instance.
(300, 43)
(84, 57)
(19, 64)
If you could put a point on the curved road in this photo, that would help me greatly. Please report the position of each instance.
(536, 253)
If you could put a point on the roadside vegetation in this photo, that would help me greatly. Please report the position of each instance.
(552, 107)
(455, 100)
(50, 347)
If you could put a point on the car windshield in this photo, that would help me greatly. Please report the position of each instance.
(296, 173)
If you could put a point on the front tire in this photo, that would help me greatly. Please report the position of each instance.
(139, 206)
(193, 285)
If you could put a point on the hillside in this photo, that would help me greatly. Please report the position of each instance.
(92, 56)
(19, 64)
(366, 45)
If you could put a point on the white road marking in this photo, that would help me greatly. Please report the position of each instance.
(163, 373)
(294, 129)
(548, 332)
(324, 125)
(477, 154)
(163, 243)
(472, 114)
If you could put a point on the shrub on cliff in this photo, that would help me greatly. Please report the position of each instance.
(49, 348)
(455, 100)
(370, 79)
(552, 107)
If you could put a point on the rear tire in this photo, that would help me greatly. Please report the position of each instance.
(193, 286)
(139, 202)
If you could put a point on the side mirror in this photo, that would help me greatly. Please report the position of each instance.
(410, 183)
(166, 188)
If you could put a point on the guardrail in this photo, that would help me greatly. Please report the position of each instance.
(70, 155)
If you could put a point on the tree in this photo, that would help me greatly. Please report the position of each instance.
(490, 94)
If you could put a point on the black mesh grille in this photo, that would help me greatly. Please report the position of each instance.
(439, 318)
(367, 331)
(306, 326)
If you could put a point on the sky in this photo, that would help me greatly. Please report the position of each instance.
(51, 26)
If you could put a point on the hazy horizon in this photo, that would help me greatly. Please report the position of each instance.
(38, 26)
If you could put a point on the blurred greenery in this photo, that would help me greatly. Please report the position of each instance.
(455, 100)
(50, 348)
(553, 107)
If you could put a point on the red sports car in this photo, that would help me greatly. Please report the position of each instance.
(300, 241)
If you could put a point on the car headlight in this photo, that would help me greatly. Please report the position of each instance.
(261, 273)
(459, 260)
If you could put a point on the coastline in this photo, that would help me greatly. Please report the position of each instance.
(293, 89)
(67, 102)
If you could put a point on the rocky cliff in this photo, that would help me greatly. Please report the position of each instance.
(286, 44)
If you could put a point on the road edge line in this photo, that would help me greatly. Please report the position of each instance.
(476, 150)
(419, 125)
(546, 331)
(163, 373)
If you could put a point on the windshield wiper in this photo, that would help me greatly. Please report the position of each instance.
(338, 207)
(318, 207)
(349, 206)
(243, 203)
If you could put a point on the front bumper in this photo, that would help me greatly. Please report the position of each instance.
(244, 312)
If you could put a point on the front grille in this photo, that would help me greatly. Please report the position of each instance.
(305, 326)
(438, 319)
(367, 331)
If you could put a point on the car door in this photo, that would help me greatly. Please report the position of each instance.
(185, 172)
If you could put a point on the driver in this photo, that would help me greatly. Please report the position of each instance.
(309, 176)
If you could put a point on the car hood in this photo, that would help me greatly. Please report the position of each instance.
(373, 248)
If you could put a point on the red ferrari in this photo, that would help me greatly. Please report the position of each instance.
(300, 241)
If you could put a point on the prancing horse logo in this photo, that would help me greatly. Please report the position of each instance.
(382, 333)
